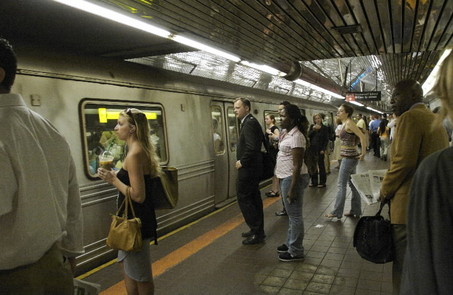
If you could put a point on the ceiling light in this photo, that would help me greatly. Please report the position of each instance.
(371, 109)
(115, 16)
(432, 78)
(201, 46)
(263, 68)
(315, 87)
(356, 103)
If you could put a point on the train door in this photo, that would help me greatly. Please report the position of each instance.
(225, 137)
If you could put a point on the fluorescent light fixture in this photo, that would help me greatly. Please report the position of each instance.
(432, 78)
(315, 87)
(371, 109)
(263, 68)
(356, 103)
(201, 46)
(115, 16)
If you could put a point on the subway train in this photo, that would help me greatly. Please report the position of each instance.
(82, 96)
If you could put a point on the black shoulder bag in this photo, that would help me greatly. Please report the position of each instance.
(373, 238)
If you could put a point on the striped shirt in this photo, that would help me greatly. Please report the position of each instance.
(349, 143)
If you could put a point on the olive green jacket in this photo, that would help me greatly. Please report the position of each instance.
(415, 138)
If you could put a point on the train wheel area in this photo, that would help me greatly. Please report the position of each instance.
(207, 256)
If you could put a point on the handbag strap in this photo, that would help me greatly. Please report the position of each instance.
(127, 202)
(382, 206)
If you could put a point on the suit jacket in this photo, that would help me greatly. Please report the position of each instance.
(415, 138)
(249, 147)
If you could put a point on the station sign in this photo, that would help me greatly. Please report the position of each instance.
(363, 96)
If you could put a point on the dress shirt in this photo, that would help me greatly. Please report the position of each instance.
(40, 200)
(293, 139)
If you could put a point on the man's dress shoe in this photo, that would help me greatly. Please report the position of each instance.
(247, 234)
(253, 239)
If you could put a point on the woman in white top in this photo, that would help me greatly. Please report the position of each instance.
(293, 175)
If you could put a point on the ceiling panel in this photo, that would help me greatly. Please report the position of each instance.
(389, 40)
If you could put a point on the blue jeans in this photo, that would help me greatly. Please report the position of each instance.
(294, 210)
(348, 166)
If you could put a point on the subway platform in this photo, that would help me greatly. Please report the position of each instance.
(207, 256)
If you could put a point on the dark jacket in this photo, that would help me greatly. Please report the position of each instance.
(318, 138)
(251, 138)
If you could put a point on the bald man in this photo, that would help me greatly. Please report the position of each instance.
(415, 138)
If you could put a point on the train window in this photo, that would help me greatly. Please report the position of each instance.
(232, 129)
(99, 120)
(218, 129)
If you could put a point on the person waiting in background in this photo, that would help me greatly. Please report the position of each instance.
(281, 107)
(374, 136)
(361, 123)
(272, 136)
(429, 259)
(319, 138)
(383, 132)
(337, 145)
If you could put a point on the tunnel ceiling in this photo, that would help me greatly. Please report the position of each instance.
(356, 44)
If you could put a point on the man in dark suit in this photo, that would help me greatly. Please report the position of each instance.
(250, 165)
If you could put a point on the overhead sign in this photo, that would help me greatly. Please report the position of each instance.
(350, 97)
(363, 96)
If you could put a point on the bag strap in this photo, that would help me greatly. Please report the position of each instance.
(127, 202)
(382, 206)
(129, 198)
(265, 143)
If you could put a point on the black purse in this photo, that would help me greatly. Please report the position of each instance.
(164, 188)
(373, 238)
(268, 162)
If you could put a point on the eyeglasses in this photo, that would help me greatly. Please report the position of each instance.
(128, 112)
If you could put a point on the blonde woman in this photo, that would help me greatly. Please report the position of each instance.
(272, 135)
(140, 163)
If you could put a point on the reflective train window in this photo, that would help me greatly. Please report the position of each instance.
(232, 129)
(217, 129)
(99, 120)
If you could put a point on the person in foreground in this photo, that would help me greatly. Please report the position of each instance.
(415, 138)
(429, 259)
(294, 178)
(349, 136)
(40, 212)
(250, 166)
(140, 164)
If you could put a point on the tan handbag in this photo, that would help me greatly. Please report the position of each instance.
(125, 234)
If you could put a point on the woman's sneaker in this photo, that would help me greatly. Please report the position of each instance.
(282, 249)
(288, 257)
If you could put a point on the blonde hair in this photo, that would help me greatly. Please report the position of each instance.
(444, 88)
(138, 119)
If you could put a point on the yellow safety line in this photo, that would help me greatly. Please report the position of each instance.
(179, 255)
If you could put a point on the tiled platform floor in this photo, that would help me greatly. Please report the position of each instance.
(225, 266)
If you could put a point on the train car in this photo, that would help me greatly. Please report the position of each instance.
(82, 97)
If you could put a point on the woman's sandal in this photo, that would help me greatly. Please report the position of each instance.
(330, 215)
